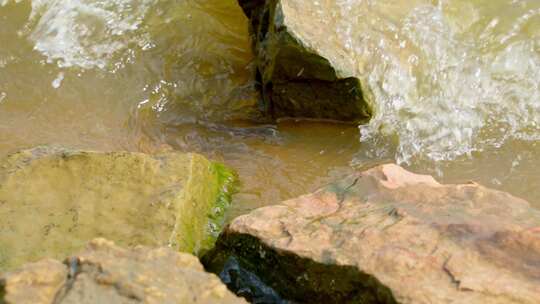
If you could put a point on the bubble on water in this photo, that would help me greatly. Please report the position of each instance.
(57, 82)
(496, 182)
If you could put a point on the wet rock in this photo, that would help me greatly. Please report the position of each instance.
(105, 273)
(386, 235)
(53, 200)
(302, 63)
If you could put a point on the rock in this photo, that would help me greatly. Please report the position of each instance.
(105, 273)
(33, 283)
(53, 200)
(302, 63)
(386, 235)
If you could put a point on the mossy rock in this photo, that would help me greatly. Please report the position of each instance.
(53, 200)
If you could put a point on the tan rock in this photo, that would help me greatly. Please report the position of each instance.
(389, 236)
(34, 283)
(105, 273)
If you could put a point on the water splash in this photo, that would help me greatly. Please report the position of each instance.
(192, 55)
(446, 78)
(85, 33)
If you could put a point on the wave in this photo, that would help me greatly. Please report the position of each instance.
(85, 33)
(446, 78)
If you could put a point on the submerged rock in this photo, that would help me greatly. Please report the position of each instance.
(386, 235)
(53, 200)
(302, 63)
(105, 273)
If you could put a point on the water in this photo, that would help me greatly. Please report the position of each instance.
(448, 78)
(454, 85)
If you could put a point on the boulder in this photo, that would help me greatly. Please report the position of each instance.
(53, 200)
(105, 273)
(303, 66)
(386, 235)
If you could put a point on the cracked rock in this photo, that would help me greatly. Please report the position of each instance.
(386, 235)
(105, 273)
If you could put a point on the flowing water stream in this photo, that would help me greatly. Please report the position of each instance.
(454, 84)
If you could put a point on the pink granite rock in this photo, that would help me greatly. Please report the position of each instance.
(386, 235)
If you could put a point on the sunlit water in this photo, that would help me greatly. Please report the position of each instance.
(448, 78)
(454, 85)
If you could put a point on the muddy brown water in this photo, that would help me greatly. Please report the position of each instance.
(145, 75)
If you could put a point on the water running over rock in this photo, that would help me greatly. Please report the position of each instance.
(447, 78)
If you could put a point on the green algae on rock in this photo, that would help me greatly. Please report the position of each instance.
(303, 68)
(53, 200)
(105, 273)
(386, 235)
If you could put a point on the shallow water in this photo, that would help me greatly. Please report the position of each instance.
(145, 75)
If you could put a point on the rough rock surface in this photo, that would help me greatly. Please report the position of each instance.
(105, 273)
(302, 63)
(53, 200)
(386, 235)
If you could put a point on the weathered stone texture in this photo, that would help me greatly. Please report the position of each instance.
(53, 200)
(105, 273)
(389, 236)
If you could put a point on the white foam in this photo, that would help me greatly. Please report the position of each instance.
(85, 33)
(446, 78)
